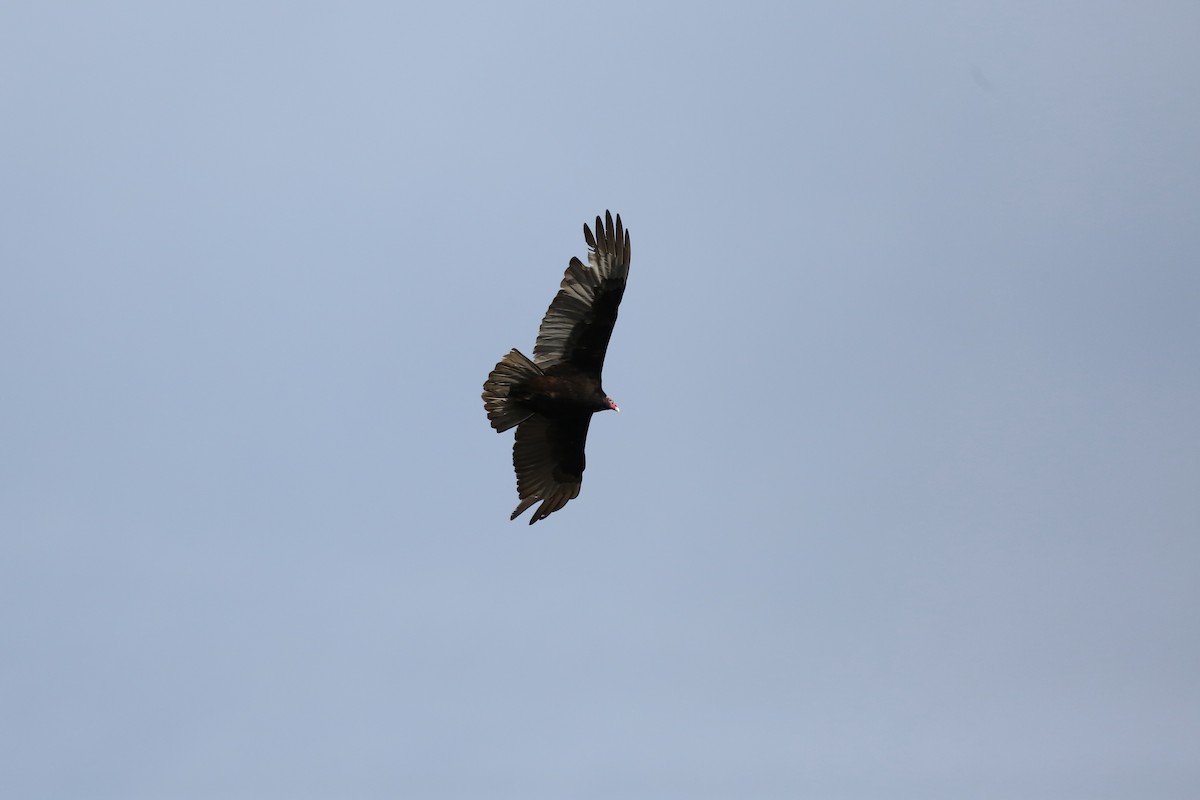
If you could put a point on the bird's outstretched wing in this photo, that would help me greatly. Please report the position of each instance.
(548, 457)
(580, 320)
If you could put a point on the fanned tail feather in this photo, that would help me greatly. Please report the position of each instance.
(513, 370)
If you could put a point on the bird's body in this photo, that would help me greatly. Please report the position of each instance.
(563, 393)
(551, 399)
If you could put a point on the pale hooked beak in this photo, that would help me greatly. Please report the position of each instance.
(613, 405)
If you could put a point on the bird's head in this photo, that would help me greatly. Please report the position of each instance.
(611, 403)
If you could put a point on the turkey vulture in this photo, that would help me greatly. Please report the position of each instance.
(551, 399)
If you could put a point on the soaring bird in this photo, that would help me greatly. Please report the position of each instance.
(550, 400)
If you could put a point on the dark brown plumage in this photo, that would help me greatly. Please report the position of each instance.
(551, 399)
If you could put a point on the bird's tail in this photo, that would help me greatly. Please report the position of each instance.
(513, 370)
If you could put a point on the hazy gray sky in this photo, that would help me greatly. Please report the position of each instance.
(905, 494)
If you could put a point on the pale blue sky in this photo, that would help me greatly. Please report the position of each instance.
(903, 500)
